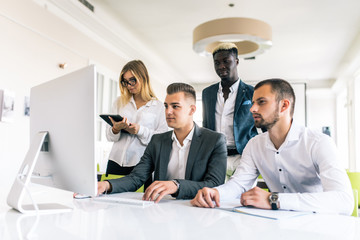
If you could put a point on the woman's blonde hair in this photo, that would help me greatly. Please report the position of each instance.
(138, 69)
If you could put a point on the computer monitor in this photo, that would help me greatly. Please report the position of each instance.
(62, 125)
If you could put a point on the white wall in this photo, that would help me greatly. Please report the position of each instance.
(321, 110)
(354, 119)
(342, 127)
(347, 89)
(32, 44)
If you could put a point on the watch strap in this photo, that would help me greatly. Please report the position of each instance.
(177, 183)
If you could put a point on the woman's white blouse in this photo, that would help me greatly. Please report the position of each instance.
(129, 148)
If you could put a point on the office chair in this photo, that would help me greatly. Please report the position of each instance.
(261, 183)
(355, 182)
(355, 212)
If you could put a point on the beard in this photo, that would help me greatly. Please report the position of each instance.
(269, 123)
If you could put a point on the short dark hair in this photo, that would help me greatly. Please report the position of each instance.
(282, 90)
(187, 89)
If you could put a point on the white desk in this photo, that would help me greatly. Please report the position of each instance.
(171, 219)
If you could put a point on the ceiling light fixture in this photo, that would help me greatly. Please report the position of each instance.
(251, 36)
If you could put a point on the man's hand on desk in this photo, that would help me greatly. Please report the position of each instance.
(205, 197)
(103, 187)
(158, 189)
(256, 197)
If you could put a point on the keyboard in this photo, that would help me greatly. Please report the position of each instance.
(121, 200)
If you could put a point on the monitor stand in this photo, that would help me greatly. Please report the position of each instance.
(22, 181)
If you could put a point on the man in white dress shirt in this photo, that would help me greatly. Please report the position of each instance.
(300, 166)
(183, 160)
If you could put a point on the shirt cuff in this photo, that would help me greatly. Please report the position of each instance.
(111, 133)
(141, 131)
(289, 201)
(222, 193)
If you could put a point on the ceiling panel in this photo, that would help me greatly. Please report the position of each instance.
(310, 37)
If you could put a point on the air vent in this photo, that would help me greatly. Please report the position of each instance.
(87, 4)
(249, 58)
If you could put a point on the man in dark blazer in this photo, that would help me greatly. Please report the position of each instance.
(183, 160)
(226, 105)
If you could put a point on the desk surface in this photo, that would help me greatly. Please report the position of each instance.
(170, 219)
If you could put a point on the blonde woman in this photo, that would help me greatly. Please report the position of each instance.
(143, 115)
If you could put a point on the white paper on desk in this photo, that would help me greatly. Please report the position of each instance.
(229, 205)
(272, 214)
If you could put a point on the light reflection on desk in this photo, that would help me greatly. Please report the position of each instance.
(171, 219)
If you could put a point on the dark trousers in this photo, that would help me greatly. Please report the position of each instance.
(114, 168)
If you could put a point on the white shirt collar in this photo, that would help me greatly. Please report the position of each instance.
(187, 139)
(148, 104)
(233, 87)
(294, 134)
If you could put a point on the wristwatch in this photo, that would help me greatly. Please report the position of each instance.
(274, 200)
(176, 182)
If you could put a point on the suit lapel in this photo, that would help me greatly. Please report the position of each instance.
(212, 105)
(194, 148)
(239, 97)
(164, 159)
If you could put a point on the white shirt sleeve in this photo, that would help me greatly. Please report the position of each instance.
(337, 195)
(242, 180)
(305, 170)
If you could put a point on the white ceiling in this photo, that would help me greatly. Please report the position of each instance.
(310, 37)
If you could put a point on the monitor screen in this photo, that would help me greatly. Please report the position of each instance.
(66, 108)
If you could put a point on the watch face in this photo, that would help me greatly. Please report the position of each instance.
(274, 197)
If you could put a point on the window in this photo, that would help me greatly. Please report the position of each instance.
(342, 128)
(106, 93)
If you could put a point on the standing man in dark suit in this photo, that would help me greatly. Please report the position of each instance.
(226, 105)
(183, 160)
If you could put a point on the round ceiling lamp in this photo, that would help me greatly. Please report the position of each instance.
(251, 36)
